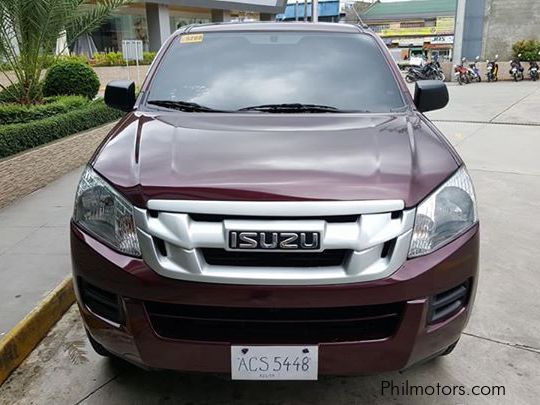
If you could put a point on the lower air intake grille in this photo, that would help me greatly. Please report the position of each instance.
(448, 303)
(272, 325)
(222, 257)
(100, 302)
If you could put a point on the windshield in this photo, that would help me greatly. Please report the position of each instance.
(327, 72)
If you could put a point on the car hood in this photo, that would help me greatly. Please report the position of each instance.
(275, 157)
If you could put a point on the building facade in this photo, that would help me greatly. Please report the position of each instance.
(329, 11)
(415, 27)
(506, 22)
(153, 21)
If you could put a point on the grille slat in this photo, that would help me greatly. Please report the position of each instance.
(220, 218)
(222, 257)
(270, 325)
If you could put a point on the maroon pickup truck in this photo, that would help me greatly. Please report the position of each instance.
(275, 205)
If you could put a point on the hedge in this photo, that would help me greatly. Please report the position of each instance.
(16, 138)
(16, 113)
(117, 59)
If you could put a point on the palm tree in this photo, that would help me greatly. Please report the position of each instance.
(28, 33)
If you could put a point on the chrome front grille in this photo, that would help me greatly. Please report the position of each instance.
(360, 240)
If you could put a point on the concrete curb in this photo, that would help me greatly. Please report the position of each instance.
(26, 335)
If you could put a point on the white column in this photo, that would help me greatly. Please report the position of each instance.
(458, 33)
(314, 11)
(159, 25)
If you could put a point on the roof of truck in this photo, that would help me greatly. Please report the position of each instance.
(273, 26)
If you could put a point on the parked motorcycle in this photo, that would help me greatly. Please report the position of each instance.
(533, 70)
(431, 71)
(516, 70)
(473, 71)
(492, 70)
(461, 73)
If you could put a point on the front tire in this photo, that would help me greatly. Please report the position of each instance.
(449, 349)
(410, 78)
(98, 348)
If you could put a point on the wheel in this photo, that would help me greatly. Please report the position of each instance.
(515, 78)
(410, 78)
(479, 79)
(441, 76)
(449, 349)
(98, 348)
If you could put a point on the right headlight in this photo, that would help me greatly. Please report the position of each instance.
(105, 214)
(447, 213)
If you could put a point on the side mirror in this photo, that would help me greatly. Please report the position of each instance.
(430, 95)
(120, 94)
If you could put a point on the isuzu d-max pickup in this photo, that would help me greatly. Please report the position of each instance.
(275, 205)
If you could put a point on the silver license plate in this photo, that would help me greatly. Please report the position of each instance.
(274, 362)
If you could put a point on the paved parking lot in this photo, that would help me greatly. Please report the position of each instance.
(496, 128)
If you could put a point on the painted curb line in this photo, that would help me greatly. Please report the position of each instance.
(25, 336)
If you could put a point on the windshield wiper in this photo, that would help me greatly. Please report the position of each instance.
(292, 108)
(182, 106)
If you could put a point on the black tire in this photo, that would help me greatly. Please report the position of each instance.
(479, 79)
(410, 78)
(98, 348)
(449, 349)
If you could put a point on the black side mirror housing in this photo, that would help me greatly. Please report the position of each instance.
(120, 94)
(430, 95)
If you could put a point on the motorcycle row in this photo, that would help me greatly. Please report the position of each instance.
(468, 73)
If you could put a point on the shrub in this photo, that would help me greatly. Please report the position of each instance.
(50, 60)
(528, 49)
(71, 78)
(16, 138)
(117, 59)
(108, 59)
(16, 113)
(13, 93)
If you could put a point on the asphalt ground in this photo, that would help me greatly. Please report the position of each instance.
(495, 128)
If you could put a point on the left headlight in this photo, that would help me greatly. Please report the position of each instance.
(447, 213)
(104, 213)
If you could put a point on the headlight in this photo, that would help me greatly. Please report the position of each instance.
(104, 213)
(444, 215)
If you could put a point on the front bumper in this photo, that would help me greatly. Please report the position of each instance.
(136, 340)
